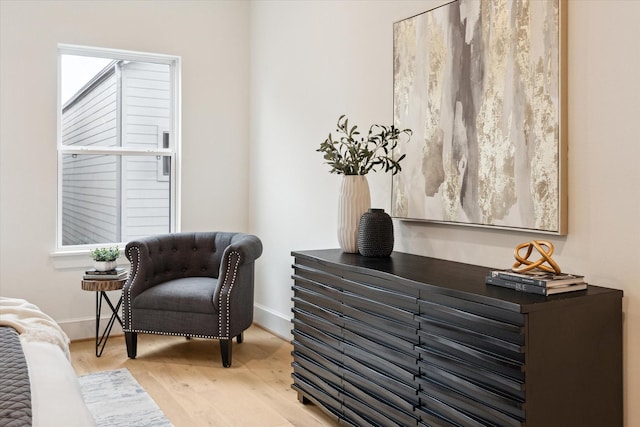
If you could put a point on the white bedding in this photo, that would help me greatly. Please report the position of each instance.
(56, 399)
(32, 324)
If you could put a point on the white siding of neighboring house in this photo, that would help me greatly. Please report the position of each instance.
(91, 183)
(89, 201)
(146, 94)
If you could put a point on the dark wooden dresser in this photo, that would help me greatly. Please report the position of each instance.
(416, 341)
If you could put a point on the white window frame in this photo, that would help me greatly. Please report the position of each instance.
(174, 152)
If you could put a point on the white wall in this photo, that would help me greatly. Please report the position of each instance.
(312, 61)
(212, 39)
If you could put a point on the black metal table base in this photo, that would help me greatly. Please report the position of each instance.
(101, 341)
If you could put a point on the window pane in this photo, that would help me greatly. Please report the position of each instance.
(113, 198)
(121, 103)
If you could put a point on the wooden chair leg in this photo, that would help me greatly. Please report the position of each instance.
(131, 339)
(225, 350)
(240, 338)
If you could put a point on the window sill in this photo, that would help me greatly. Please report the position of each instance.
(76, 259)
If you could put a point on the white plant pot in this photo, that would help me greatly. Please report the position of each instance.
(355, 200)
(105, 265)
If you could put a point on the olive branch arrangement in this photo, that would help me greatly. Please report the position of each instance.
(352, 154)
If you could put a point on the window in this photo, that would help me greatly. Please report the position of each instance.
(118, 145)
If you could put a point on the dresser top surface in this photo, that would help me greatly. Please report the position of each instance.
(450, 276)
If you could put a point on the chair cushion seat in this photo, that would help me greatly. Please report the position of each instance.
(190, 294)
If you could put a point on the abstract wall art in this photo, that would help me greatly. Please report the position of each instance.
(482, 85)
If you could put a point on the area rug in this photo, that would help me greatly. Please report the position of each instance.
(115, 399)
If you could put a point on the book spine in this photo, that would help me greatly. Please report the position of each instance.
(102, 277)
(519, 279)
(518, 286)
(104, 273)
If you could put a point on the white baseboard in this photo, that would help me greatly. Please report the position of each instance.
(274, 322)
(81, 329)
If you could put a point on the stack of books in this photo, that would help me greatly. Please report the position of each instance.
(537, 282)
(115, 274)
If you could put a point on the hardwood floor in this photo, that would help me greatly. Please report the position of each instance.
(188, 382)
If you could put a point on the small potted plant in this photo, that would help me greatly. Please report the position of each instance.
(105, 258)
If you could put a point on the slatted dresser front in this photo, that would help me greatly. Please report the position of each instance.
(415, 341)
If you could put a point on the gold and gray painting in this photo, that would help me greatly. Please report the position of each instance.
(478, 82)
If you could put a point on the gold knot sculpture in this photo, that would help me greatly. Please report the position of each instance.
(544, 248)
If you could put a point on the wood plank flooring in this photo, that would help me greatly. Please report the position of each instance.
(188, 382)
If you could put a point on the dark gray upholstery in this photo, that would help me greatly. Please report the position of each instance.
(196, 284)
(15, 387)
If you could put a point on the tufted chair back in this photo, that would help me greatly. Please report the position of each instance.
(179, 255)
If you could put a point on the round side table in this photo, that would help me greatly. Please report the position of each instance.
(101, 287)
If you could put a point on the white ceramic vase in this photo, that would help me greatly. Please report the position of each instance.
(105, 265)
(355, 200)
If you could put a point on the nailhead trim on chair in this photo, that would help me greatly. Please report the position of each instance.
(233, 281)
(132, 277)
(142, 331)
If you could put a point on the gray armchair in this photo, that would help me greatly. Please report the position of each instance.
(193, 284)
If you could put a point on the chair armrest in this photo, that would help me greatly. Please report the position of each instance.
(244, 249)
(234, 292)
(248, 246)
(138, 255)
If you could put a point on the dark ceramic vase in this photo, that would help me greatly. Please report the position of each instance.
(375, 234)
